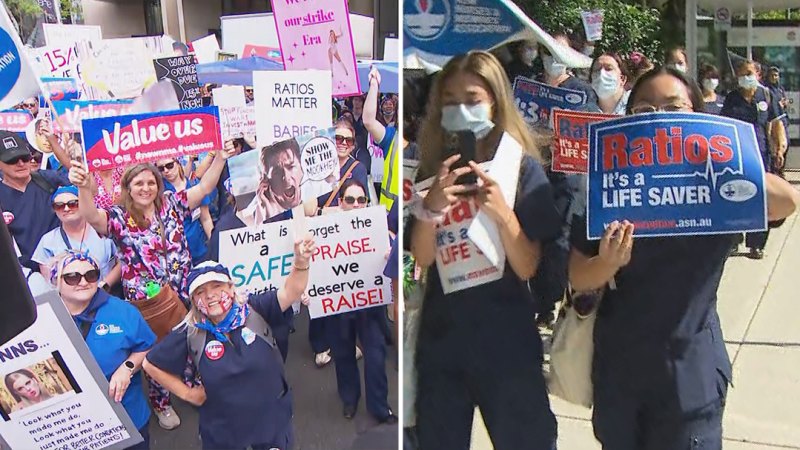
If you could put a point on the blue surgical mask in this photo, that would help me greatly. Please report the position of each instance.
(461, 117)
(605, 83)
(748, 82)
(554, 69)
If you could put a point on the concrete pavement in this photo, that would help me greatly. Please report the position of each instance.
(760, 313)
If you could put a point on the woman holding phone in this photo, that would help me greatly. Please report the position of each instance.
(478, 344)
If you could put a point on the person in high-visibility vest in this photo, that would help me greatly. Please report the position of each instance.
(384, 136)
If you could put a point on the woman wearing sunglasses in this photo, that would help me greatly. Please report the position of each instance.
(148, 229)
(369, 327)
(349, 167)
(75, 233)
(199, 228)
(660, 369)
(114, 330)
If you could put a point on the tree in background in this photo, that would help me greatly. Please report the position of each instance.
(627, 26)
(25, 13)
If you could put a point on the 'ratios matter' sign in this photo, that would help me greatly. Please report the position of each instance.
(675, 174)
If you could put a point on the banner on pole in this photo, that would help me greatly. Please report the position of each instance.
(18, 80)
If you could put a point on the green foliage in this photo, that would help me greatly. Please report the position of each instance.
(627, 27)
(23, 8)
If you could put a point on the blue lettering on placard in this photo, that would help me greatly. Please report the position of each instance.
(17, 350)
(10, 65)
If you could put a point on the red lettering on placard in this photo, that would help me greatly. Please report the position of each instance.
(357, 299)
(667, 146)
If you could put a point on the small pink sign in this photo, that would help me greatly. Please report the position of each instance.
(316, 34)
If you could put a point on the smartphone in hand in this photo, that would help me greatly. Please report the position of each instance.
(462, 143)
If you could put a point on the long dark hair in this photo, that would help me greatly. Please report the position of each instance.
(698, 104)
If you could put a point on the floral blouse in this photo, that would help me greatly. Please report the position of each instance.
(141, 251)
(104, 199)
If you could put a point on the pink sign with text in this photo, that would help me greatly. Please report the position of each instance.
(316, 34)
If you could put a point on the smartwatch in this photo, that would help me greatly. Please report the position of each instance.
(130, 366)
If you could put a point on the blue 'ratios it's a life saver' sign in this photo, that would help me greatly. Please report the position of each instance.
(675, 174)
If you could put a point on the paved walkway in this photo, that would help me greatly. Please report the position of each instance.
(759, 306)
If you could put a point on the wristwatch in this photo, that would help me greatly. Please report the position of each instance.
(130, 366)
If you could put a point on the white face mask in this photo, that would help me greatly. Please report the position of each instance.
(680, 67)
(605, 83)
(710, 84)
(475, 118)
(748, 82)
(553, 68)
(529, 55)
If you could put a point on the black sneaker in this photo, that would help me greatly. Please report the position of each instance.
(391, 419)
(756, 253)
(349, 411)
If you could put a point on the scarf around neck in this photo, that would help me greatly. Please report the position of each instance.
(233, 320)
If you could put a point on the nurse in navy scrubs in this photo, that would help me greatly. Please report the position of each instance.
(660, 370)
(244, 400)
(479, 346)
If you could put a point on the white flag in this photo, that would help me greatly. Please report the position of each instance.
(18, 80)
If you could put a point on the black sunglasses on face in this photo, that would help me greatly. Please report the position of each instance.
(166, 167)
(24, 158)
(60, 206)
(74, 278)
(352, 200)
(342, 139)
(29, 105)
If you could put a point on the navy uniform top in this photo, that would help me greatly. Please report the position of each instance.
(32, 213)
(494, 311)
(759, 113)
(715, 107)
(660, 324)
(576, 84)
(248, 401)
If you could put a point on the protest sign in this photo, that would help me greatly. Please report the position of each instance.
(537, 101)
(158, 97)
(226, 56)
(18, 79)
(571, 145)
(182, 72)
(51, 10)
(229, 96)
(290, 104)
(316, 34)
(57, 62)
(118, 68)
(281, 176)
(60, 88)
(16, 121)
(237, 121)
(409, 174)
(58, 35)
(205, 49)
(262, 51)
(111, 142)
(346, 270)
(593, 24)
(675, 174)
(71, 408)
(71, 113)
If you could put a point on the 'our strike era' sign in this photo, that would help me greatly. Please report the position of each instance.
(110, 142)
(675, 174)
(571, 145)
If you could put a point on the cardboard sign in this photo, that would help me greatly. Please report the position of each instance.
(205, 49)
(537, 101)
(71, 113)
(111, 142)
(229, 96)
(16, 121)
(54, 61)
(409, 175)
(60, 88)
(237, 121)
(281, 176)
(593, 24)
(675, 174)
(118, 68)
(182, 72)
(290, 104)
(58, 35)
(69, 407)
(315, 34)
(571, 140)
(18, 79)
(346, 270)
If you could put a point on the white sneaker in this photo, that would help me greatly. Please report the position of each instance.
(359, 353)
(323, 358)
(168, 419)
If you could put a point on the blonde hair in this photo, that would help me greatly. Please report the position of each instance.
(194, 316)
(432, 137)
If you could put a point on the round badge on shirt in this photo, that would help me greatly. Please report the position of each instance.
(214, 350)
(8, 217)
(762, 106)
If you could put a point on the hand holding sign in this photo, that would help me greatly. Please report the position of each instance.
(490, 197)
(616, 244)
(303, 250)
(78, 175)
(374, 75)
(444, 192)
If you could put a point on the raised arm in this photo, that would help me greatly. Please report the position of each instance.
(97, 218)
(209, 181)
(370, 113)
(297, 281)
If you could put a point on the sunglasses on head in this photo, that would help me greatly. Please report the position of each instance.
(74, 278)
(24, 158)
(344, 140)
(166, 167)
(60, 206)
(350, 200)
